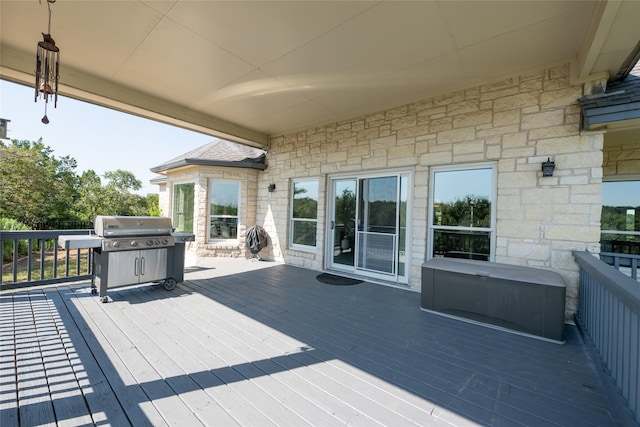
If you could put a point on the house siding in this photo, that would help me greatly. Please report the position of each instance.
(518, 122)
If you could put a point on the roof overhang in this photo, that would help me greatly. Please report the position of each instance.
(245, 164)
(245, 71)
(619, 116)
(617, 107)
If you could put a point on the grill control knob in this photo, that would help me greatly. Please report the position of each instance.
(115, 244)
(134, 243)
(165, 241)
(149, 242)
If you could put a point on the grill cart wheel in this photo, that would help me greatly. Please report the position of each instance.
(169, 284)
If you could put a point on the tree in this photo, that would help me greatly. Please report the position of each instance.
(119, 187)
(123, 180)
(35, 186)
(472, 211)
(345, 207)
(153, 204)
(113, 198)
(91, 197)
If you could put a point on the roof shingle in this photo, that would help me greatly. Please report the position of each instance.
(219, 152)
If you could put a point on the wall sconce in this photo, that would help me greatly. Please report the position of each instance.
(548, 167)
(272, 188)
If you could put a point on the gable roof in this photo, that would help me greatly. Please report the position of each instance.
(620, 102)
(218, 153)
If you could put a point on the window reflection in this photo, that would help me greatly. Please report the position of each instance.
(461, 221)
(223, 209)
(463, 198)
(304, 212)
(620, 219)
(183, 207)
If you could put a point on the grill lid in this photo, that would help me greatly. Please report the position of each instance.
(127, 226)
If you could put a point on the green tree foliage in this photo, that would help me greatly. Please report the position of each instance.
(91, 197)
(34, 184)
(304, 207)
(620, 218)
(471, 211)
(7, 246)
(115, 197)
(123, 181)
(345, 207)
(153, 204)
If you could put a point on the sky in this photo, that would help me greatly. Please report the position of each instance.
(98, 138)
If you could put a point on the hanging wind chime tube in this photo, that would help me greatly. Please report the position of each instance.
(47, 68)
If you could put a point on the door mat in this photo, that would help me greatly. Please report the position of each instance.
(332, 279)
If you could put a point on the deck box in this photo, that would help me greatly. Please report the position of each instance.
(519, 299)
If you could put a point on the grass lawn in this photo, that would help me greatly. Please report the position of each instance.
(60, 258)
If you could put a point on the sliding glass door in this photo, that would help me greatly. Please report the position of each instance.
(368, 221)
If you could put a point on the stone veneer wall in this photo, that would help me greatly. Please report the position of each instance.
(622, 158)
(517, 122)
(247, 209)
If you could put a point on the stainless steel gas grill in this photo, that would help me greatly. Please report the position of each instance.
(130, 250)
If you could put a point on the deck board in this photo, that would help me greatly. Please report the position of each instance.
(93, 325)
(100, 398)
(267, 344)
(33, 389)
(8, 383)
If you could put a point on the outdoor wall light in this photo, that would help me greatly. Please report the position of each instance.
(47, 68)
(272, 188)
(548, 167)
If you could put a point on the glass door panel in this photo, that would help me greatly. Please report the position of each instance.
(344, 222)
(183, 207)
(378, 224)
(368, 229)
(402, 229)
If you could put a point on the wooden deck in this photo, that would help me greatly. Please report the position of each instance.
(258, 344)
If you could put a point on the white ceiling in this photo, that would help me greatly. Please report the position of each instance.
(248, 70)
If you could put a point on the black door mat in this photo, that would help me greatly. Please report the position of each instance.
(332, 279)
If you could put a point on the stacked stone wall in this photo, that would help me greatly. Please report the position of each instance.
(518, 123)
(622, 158)
(201, 176)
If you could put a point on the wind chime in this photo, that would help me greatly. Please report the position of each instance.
(47, 69)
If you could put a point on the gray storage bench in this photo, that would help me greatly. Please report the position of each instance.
(524, 300)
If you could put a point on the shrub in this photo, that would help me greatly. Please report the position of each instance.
(7, 247)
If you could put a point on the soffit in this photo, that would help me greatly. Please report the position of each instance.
(248, 70)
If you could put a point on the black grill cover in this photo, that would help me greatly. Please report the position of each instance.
(256, 239)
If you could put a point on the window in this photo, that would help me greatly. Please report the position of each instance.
(183, 207)
(304, 213)
(223, 209)
(620, 221)
(462, 219)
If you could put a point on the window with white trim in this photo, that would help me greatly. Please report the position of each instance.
(304, 213)
(224, 199)
(462, 212)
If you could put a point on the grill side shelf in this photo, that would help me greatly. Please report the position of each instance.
(79, 241)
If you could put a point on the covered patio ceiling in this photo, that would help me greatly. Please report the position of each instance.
(249, 70)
